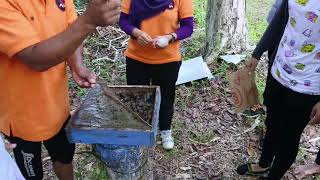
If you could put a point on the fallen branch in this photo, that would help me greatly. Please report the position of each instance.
(314, 151)
(115, 39)
(207, 143)
(256, 123)
(314, 140)
(103, 59)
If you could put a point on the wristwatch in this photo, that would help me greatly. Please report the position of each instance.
(173, 38)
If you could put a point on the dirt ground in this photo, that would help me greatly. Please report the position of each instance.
(211, 139)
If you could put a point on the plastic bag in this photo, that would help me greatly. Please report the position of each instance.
(8, 168)
(243, 89)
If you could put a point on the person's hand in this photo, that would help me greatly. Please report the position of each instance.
(142, 37)
(315, 114)
(252, 64)
(84, 77)
(101, 13)
(9, 146)
(162, 41)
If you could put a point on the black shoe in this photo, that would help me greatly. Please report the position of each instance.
(246, 169)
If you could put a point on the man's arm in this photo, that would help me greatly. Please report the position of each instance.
(76, 60)
(80, 73)
(55, 50)
(46, 54)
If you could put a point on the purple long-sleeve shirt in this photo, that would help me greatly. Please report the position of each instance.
(185, 30)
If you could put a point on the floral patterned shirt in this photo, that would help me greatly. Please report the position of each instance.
(297, 63)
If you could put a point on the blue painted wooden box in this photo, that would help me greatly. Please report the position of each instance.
(101, 120)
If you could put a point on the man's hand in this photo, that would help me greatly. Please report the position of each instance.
(315, 114)
(101, 13)
(142, 37)
(84, 77)
(252, 64)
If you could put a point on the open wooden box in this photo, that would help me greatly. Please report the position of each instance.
(129, 119)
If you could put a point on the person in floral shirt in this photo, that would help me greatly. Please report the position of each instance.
(293, 85)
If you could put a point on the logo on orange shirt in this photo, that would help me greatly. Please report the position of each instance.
(61, 5)
(171, 5)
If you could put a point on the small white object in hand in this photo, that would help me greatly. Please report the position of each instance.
(161, 42)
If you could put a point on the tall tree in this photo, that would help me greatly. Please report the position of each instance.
(226, 27)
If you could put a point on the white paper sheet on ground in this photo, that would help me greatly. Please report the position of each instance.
(235, 59)
(192, 70)
(8, 168)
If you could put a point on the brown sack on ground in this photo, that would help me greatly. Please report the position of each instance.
(243, 89)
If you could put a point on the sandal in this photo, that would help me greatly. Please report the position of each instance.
(246, 169)
(255, 111)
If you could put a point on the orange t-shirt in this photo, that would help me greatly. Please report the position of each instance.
(165, 23)
(34, 105)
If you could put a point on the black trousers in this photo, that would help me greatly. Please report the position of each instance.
(163, 75)
(288, 113)
(317, 161)
(28, 154)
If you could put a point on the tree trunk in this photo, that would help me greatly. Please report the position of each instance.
(226, 28)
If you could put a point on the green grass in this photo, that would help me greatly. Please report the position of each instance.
(185, 93)
(257, 12)
(174, 153)
(97, 171)
(302, 152)
(184, 97)
(222, 69)
(80, 5)
(178, 126)
(260, 82)
(200, 7)
(194, 45)
(202, 137)
(100, 172)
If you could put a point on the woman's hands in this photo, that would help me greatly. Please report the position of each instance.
(142, 37)
(162, 41)
(145, 39)
(315, 114)
(252, 64)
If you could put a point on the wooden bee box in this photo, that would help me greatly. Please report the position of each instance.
(117, 115)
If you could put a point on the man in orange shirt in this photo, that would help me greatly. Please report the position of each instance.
(37, 38)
